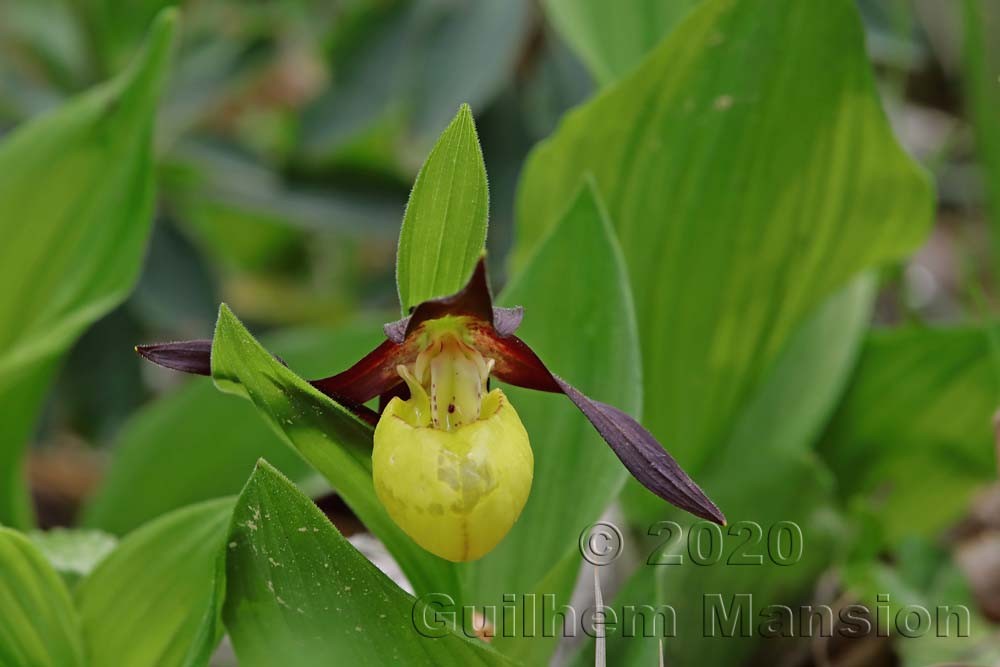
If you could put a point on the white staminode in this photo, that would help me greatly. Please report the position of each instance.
(448, 381)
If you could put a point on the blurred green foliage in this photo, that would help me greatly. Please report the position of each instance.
(41, 626)
(157, 598)
(77, 198)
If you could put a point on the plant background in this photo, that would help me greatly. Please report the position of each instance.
(289, 133)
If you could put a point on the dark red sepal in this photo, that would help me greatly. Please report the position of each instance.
(643, 456)
(373, 376)
(513, 361)
(473, 300)
(505, 321)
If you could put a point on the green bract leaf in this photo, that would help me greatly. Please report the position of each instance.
(77, 199)
(38, 625)
(579, 319)
(731, 237)
(444, 228)
(198, 444)
(917, 415)
(157, 598)
(332, 439)
(613, 37)
(297, 588)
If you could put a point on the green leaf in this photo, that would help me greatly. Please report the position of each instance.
(745, 186)
(297, 588)
(613, 37)
(444, 228)
(765, 473)
(579, 319)
(40, 628)
(73, 553)
(917, 415)
(771, 490)
(787, 414)
(157, 599)
(77, 196)
(330, 438)
(811, 375)
(197, 443)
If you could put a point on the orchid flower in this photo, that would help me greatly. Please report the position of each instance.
(451, 460)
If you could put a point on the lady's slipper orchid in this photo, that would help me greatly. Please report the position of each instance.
(451, 460)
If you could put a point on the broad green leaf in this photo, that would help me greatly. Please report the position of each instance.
(786, 415)
(613, 37)
(765, 473)
(76, 194)
(445, 223)
(791, 488)
(73, 553)
(794, 403)
(38, 625)
(157, 599)
(297, 589)
(331, 439)
(197, 443)
(745, 186)
(579, 319)
(917, 415)
(981, 60)
(534, 607)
